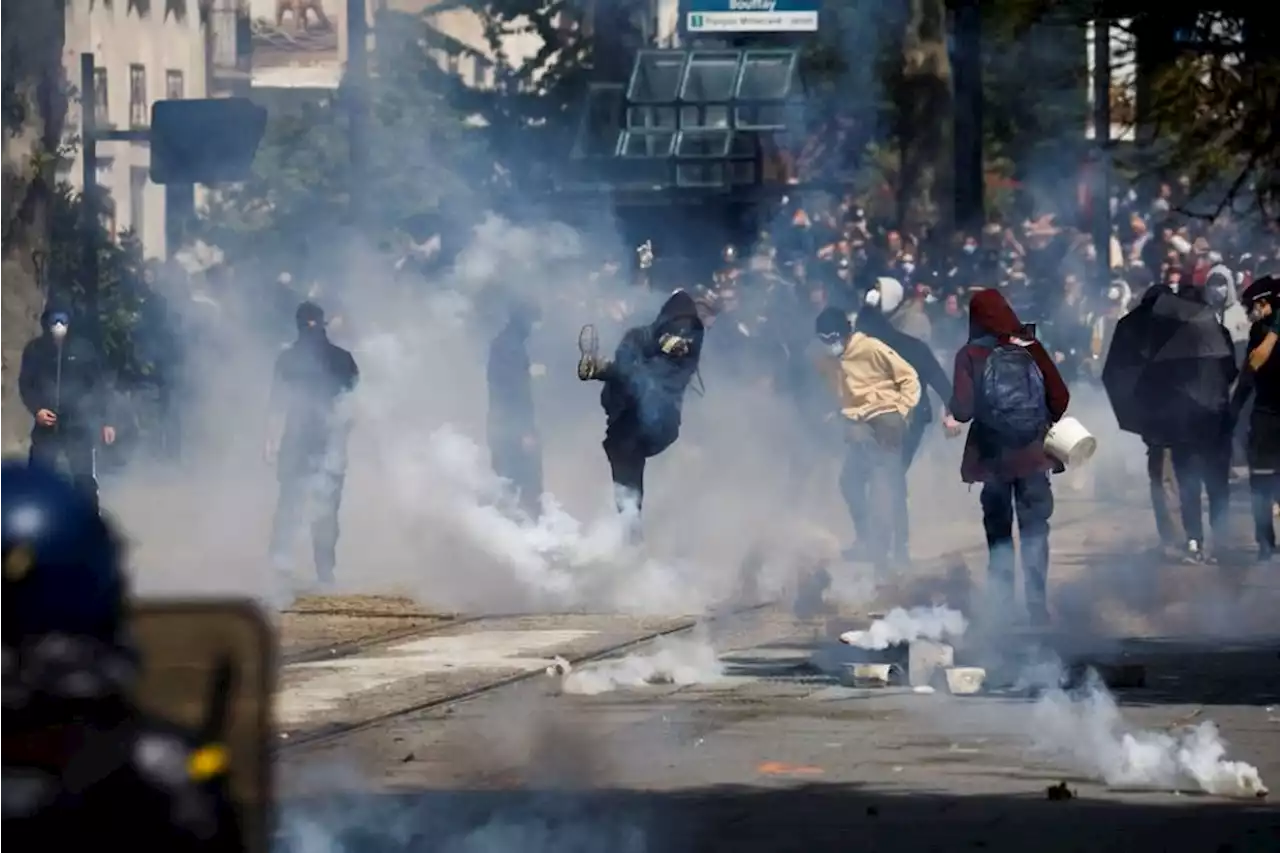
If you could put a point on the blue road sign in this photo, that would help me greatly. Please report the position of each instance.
(709, 17)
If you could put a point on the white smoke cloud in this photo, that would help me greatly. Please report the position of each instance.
(905, 626)
(676, 660)
(1089, 732)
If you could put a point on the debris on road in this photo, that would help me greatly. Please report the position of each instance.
(965, 680)
(1059, 793)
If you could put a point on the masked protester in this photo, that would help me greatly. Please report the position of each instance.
(83, 766)
(917, 353)
(877, 389)
(309, 422)
(63, 384)
(1008, 386)
(514, 447)
(643, 394)
(1261, 378)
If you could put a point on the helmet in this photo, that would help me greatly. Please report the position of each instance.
(62, 562)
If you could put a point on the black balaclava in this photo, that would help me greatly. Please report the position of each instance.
(310, 321)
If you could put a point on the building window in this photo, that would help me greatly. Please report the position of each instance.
(138, 201)
(173, 85)
(484, 73)
(137, 96)
(101, 113)
(451, 64)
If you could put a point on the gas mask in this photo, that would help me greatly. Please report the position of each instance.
(58, 326)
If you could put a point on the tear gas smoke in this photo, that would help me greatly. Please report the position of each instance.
(675, 660)
(905, 626)
(1086, 729)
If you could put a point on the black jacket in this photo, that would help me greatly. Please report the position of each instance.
(644, 388)
(915, 352)
(68, 379)
(312, 375)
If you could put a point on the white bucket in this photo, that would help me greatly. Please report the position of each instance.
(1070, 443)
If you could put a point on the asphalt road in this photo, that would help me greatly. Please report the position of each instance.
(767, 750)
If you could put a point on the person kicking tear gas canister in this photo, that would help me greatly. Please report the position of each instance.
(63, 384)
(644, 387)
(309, 421)
(84, 767)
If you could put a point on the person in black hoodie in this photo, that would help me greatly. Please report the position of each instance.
(644, 386)
(514, 448)
(872, 322)
(63, 384)
(1261, 378)
(309, 421)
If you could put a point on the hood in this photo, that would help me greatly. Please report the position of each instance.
(679, 311)
(872, 322)
(990, 314)
(887, 294)
(1222, 276)
(51, 309)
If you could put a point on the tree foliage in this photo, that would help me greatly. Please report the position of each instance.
(419, 156)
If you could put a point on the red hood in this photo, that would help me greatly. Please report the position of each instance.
(990, 314)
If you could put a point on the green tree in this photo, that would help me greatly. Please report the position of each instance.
(421, 156)
(34, 106)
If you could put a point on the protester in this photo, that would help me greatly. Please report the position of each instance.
(1262, 379)
(1009, 387)
(877, 390)
(64, 386)
(871, 321)
(644, 387)
(308, 424)
(515, 450)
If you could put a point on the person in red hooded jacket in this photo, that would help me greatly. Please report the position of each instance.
(1015, 479)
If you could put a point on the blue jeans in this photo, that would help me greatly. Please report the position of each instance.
(1030, 499)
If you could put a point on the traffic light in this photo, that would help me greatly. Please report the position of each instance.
(204, 140)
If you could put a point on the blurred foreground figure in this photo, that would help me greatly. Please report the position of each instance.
(1262, 379)
(83, 767)
(514, 449)
(644, 387)
(310, 420)
(876, 390)
(62, 384)
(1008, 386)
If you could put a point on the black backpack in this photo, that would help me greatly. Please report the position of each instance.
(1011, 396)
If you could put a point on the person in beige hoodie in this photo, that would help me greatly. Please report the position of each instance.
(876, 390)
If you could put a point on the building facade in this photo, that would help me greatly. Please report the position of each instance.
(144, 51)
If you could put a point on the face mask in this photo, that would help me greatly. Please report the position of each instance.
(1218, 295)
(908, 268)
(969, 248)
(836, 348)
(59, 331)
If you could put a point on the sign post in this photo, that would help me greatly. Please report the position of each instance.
(719, 17)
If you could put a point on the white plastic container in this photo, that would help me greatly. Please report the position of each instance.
(1070, 443)
(965, 680)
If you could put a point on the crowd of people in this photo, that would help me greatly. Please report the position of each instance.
(1022, 314)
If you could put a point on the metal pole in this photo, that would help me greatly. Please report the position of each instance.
(357, 74)
(969, 165)
(179, 213)
(89, 196)
(1102, 148)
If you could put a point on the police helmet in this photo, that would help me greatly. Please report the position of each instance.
(62, 562)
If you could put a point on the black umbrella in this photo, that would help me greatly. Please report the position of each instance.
(1169, 371)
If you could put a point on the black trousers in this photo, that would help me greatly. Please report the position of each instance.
(312, 494)
(626, 466)
(1160, 482)
(1263, 451)
(870, 472)
(74, 450)
(522, 466)
(1204, 467)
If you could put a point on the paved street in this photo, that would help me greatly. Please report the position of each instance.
(768, 750)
